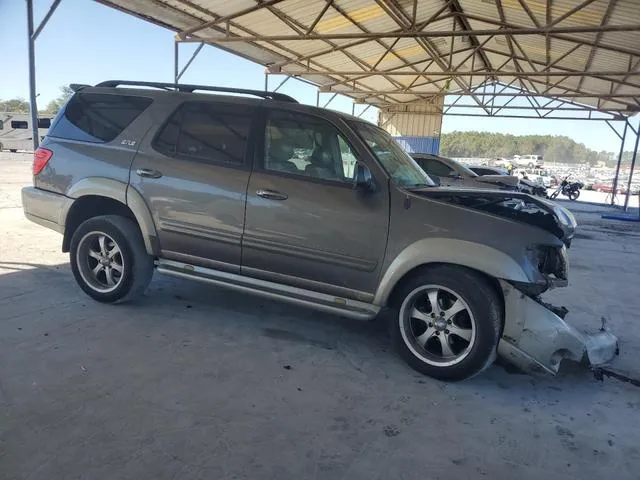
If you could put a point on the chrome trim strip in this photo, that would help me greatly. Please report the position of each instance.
(299, 296)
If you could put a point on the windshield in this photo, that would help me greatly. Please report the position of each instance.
(404, 171)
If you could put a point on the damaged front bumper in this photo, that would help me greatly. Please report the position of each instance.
(536, 338)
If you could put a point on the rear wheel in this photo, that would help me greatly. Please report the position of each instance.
(574, 195)
(447, 322)
(109, 260)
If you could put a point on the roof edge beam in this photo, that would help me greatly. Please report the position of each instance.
(412, 33)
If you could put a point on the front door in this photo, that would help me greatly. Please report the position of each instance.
(193, 175)
(305, 225)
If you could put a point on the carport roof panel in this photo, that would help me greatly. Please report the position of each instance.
(363, 47)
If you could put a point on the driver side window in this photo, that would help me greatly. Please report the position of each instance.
(305, 146)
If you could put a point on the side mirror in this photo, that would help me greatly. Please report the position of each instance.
(455, 175)
(362, 179)
(435, 179)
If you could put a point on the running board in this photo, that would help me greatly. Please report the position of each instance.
(298, 296)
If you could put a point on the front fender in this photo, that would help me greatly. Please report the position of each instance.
(119, 191)
(479, 257)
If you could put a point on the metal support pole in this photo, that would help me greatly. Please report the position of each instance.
(175, 63)
(33, 107)
(353, 109)
(193, 57)
(362, 112)
(282, 83)
(266, 82)
(615, 179)
(46, 18)
(330, 100)
(633, 164)
(318, 98)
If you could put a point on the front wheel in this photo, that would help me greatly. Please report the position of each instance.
(109, 260)
(447, 322)
(554, 195)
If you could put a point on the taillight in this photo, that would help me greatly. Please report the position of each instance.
(40, 159)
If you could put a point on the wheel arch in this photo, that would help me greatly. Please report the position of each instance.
(487, 261)
(102, 196)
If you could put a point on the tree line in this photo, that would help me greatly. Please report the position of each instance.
(20, 105)
(554, 148)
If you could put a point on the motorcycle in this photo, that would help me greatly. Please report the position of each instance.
(568, 189)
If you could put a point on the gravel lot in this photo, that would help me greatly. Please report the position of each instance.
(193, 382)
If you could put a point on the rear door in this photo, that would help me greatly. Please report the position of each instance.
(193, 174)
(305, 225)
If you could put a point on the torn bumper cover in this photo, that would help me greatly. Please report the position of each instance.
(535, 338)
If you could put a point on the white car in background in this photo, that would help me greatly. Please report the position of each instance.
(531, 161)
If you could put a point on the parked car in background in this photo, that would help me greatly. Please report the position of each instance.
(531, 161)
(451, 173)
(259, 195)
(525, 186)
(607, 187)
(16, 133)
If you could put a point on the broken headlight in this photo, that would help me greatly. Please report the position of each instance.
(551, 261)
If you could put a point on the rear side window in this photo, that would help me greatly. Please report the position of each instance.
(207, 132)
(44, 122)
(435, 167)
(19, 124)
(98, 118)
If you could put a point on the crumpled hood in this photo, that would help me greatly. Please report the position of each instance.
(517, 206)
(502, 180)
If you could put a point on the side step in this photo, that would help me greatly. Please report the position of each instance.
(298, 296)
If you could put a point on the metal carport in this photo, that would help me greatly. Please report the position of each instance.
(573, 59)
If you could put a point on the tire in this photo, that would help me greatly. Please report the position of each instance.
(13, 150)
(480, 320)
(574, 195)
(531, 165)
(553, 196)
(130, 268)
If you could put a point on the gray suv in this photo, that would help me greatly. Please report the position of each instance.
(295, 203)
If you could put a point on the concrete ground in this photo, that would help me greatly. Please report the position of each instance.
(194, 382)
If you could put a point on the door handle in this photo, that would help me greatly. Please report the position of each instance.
(148, 173)
(272, 194)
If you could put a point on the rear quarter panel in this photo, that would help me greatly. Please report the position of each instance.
(74, 161)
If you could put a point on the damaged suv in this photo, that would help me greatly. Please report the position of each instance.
(305, 205)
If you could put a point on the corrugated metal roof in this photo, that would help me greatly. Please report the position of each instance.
(385, 51)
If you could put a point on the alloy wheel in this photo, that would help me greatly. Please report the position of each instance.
(437, 325)
(100, 262)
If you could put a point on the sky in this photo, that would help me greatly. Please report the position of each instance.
(86, 42)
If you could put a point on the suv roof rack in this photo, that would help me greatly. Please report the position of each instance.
(181, 87)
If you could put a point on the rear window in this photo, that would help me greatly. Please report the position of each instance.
(44, 122)
(98, 118)
(19, 124)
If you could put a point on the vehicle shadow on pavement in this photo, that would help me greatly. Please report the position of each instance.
(195, 377)
(45, 298)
